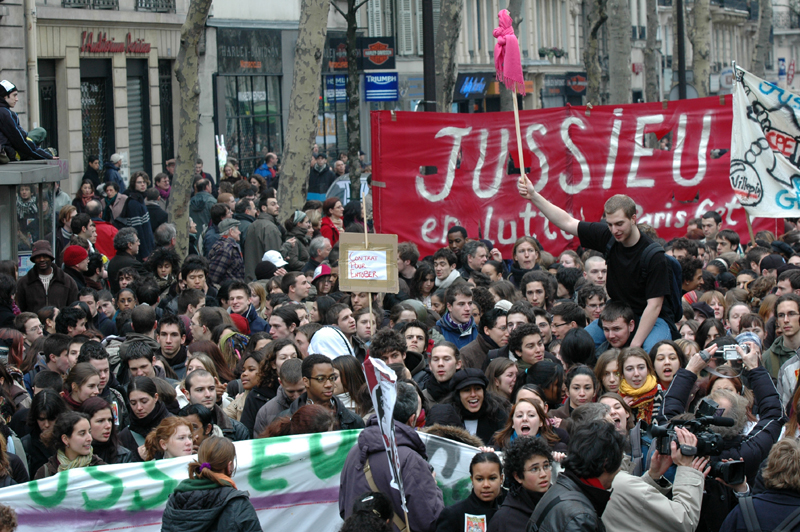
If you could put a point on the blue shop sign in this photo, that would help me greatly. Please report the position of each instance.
(381, 87)
(336, 88)
(471, 86)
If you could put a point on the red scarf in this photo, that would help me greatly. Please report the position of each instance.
(593, 482)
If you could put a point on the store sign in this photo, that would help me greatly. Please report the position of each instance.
(381, 87)
(245, 51)
(472, 86)
(554, 86)
(576, 83)
(377, 53)
(336, 88)
(104, 45)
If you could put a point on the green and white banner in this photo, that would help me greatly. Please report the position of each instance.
(293, 483)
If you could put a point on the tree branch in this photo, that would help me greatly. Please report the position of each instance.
(358, 6)
(337, 8)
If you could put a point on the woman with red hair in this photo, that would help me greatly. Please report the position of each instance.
(308, 419)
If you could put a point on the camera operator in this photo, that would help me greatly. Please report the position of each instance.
(642, 503)
(753, 447)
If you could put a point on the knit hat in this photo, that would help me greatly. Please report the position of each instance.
(74, 255)
(6, 88)
(42, 247)
(227, 223)
(748, 336)
(241, 323)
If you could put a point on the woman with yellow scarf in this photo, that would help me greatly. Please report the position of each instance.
(639, 386)
(71, 437)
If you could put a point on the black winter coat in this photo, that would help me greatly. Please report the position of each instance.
(36, 452)
(203, 506)
(258, 397)
(772, 507)
(581, 514)
(347, 419)
(31, 295)
(515, 511)
(453, 518)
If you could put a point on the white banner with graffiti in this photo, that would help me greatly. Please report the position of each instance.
(765, 148)
(293, 483)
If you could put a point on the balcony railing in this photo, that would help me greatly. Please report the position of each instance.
(91, 4)
(785, 21)
(157, 6)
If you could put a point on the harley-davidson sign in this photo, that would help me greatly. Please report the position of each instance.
(377, 53)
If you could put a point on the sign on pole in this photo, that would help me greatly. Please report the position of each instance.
(368, 267)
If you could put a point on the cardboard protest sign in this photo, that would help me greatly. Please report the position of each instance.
(293, 483)
(368, 266)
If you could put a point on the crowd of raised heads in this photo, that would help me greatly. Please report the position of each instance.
(607, 366)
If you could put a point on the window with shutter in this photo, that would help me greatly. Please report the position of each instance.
(405, 28)
(375, 18)
(437, 8)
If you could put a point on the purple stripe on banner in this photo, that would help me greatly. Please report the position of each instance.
(100, 520)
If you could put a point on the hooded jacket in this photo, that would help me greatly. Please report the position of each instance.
(331, 342)
(111, 173)
(132, 337)
(269, 412)
(454, 336)
(105, 238)
(263, 235)
(774, 357)
(755, 446)
(296, 255)
(200, 505)
(347, 419)
(200, 209)
(417, 366)
(787, 379)
(13, 136)
(424, 501)
(31, 296)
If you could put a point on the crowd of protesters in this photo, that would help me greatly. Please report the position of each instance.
(120, 350)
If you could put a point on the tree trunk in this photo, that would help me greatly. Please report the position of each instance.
(304, 104)
(596, 16)
(353, 102)
(651, 63)
(446, 40)
(701, 46)
(758, 64)
(506, 96)
(619, 52)
(187, 74)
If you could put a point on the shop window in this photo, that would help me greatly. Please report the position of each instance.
(253, 119)
(48, 116)
(165, 99)
(97, 109)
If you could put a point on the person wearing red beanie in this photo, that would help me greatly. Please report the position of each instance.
(76, 263)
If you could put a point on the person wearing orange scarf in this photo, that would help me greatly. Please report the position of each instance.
(639, 385)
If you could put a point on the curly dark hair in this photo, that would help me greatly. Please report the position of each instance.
(268, 375)
(160, 256)
(520, 451)
(386, 341)
(518, 335)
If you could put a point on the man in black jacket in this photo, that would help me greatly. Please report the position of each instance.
(13, 139)
(319, 378)
(581, 493)
(126, 242)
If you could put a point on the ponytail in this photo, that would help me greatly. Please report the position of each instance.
(213, 457)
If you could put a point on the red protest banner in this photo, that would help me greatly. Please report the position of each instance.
(432, 171)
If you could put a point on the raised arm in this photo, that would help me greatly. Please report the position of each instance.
(557, 216)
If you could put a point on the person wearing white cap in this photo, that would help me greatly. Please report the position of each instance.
(225, 258)
(263, 235)
(111, 172)
(15, 141)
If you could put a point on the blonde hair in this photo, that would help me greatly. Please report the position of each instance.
(315, 218)
(710, 296)
(205, 360)
(783, 466)
(259, 290)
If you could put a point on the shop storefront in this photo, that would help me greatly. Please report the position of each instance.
(248, 94)
(105, 91)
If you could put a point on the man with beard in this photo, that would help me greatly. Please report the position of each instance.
(43, 285)
(264, 235)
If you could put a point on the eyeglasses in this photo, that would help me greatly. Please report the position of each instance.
(790, 314)
(559, 324)
(322, 378)
(536, 469)
(596, 306)
(35, 328)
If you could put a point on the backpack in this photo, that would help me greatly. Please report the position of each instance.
(751, 518)
(675, 278)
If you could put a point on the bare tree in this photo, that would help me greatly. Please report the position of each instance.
(619, 51)
(445, 51)
(353, 94)
(701, 46)
(651, 54)
(596, 16)
(760, 51)
(304, 103)
(515, 11)
(187, 72)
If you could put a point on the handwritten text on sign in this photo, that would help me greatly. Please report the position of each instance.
(363, 264)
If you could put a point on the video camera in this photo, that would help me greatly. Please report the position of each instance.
(708, 443)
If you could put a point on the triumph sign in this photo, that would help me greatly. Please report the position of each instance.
(381, 87)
